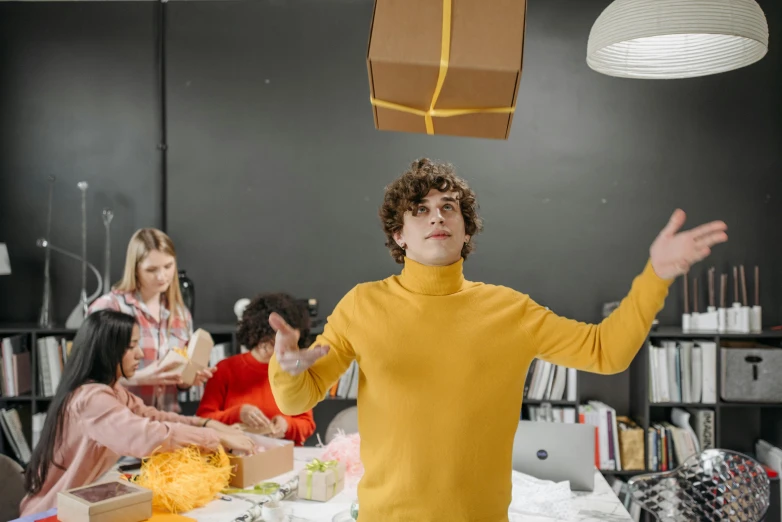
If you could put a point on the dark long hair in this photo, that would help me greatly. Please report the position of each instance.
(97, 350)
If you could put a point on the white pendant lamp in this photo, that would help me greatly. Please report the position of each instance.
(676, 38)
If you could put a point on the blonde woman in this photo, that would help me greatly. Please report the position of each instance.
(149, 291)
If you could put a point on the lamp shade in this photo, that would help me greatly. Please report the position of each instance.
(666, 39)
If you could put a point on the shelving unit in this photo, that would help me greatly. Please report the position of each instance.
(28, 405)
(742, 435)
(535, 402)
(737, 425)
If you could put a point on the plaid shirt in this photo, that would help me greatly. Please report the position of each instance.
(156, 340)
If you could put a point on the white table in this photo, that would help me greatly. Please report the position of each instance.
(600, 505)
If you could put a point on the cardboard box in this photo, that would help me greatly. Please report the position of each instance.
(321, 480)
(484, 62)
(199, 349)
(276, 459)
(113, 501)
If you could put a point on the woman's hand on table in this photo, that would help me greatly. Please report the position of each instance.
(237, 442)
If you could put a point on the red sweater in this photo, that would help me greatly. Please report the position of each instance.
(242, 379)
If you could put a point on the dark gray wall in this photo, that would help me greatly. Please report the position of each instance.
(78, 101)
(276, 170)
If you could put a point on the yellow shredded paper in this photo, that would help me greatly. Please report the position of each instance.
(184, 479)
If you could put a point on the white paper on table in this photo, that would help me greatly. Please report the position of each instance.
(532, 496)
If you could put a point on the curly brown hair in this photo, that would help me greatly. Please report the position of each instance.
(411, 187)
(254, 326)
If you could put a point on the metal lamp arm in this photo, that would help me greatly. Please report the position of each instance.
(43, 243)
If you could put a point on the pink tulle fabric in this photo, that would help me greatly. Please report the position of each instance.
(346, 449)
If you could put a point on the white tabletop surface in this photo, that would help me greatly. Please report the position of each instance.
(600, 505)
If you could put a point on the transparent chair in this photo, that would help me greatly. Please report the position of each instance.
(715, 485)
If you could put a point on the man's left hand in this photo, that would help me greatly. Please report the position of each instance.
(673, 252)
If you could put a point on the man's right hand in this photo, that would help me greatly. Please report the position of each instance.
(155, 374)
(286, 347)
(253, 417)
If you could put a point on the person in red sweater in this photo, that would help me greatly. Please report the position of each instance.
(240, 391)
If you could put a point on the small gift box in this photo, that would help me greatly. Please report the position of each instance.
(321, 480)
(114, 501)
(192, 360)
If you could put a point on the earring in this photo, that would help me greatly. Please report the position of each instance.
(402, 246)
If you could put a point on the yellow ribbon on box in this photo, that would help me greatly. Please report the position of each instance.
(319, 466)
(445, 57)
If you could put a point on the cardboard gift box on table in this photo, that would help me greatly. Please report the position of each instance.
(448, 67)
(199, 349)
(275, 459)
(321, 480)
(114, 501)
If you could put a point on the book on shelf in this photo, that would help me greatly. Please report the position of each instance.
(610, 431)
(550, 382)
(669, 444)
(39, 419)
(548, 413)
(682, 371)
(347, 385)
(12, 429)
(53, 353)
(15, 364)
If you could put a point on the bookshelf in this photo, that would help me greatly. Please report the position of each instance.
(33, 402)
(737, 425)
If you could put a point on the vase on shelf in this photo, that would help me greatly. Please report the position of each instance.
(187, 289)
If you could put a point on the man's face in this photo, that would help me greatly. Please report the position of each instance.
(433, 232)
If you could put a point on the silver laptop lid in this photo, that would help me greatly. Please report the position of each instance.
(556, 451)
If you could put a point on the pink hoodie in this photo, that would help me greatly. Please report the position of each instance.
(100, 425)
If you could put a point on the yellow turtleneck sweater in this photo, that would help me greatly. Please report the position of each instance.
(442, 368)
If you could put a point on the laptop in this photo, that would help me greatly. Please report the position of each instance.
(556, 451)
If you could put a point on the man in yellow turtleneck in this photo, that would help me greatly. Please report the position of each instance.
(437, 351)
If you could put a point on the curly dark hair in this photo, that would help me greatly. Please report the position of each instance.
(411, 187)
(254, 326)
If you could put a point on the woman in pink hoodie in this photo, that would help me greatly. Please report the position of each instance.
(93, 420)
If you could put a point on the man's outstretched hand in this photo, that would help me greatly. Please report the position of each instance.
(673, 252)
(286, 347)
